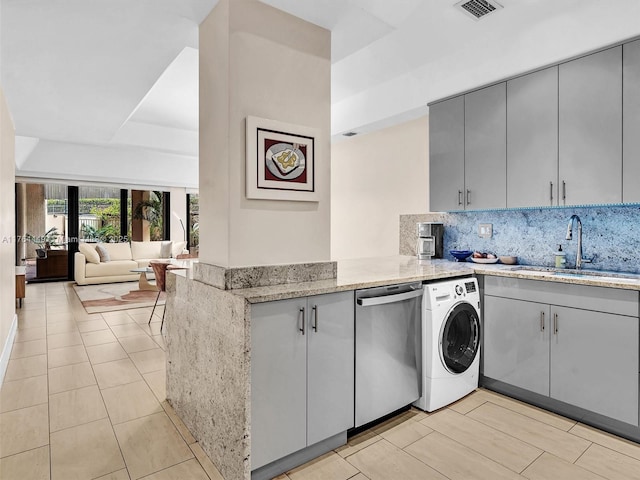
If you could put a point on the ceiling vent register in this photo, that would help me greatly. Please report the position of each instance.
(477, 9)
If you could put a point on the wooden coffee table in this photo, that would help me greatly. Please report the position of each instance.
(143, 283)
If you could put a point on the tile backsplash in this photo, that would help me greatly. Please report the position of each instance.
(610, 235)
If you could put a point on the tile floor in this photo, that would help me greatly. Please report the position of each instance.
(84, 398)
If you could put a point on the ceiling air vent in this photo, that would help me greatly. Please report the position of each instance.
(477, 9)
(349, 134)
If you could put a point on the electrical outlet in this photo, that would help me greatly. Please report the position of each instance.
(485, 230)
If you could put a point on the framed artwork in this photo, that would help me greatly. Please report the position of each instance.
(281, 161)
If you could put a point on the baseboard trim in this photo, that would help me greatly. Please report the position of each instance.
(6, 349)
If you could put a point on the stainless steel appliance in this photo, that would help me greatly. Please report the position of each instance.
(388, 349)
(430, 237)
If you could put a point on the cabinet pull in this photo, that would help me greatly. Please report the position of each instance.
(564, 190)
(468, 197)
(315, 318)
(551, 192)
(302, 324)
(555, 323)
(542, 321)
(459, 197)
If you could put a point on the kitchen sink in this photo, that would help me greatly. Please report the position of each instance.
(578, 273)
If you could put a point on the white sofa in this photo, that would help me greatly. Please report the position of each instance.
(119, 259)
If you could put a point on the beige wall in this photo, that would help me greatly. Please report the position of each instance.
(256, 60)
(7, 229)
(375, 178)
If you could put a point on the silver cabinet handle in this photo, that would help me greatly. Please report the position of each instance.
(468, 197)
(459, 197)
(564, 190)
(555, 323)
(302, 324)
(542, 321)
(551, 192)
(315, 318)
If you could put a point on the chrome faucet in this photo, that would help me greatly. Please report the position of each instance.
(579, 259)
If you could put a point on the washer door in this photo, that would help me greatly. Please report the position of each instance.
(460, 338)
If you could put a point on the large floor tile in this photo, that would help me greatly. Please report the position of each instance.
(178, 423)
(609, 464)
(60, 357)
(19, 368)
(119, 475)
(138, 343)
(456, 461)
(60, 340)
(28, 334)
(402, 430)
(97, 338)
(107, 352)
(118, 372)
(549, 466)
(190, 469)
(24, 429)
(358, 442)
(92, 325)
(70, 377)
(29, 465)
(127, 330)
(149, 360)
(384, 461)
(555, 441)
(28, 349)
(157, 381)
(26, 392)
(151, 444)
(493, 444)
(62, 327)
(85, 452)
(621, 445)
(121, 319)
(76, 407)
(130, 401)
(330, 465)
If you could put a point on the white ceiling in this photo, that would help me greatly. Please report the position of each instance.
(117, 80)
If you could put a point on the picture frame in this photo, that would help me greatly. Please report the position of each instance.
(280, 161)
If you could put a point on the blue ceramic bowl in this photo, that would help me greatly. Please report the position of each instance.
(461, 255)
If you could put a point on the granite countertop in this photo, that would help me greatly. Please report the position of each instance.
(379, 271)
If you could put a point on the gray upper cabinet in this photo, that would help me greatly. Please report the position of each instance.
(532, 139)
(590, 128)
(446, 155)
(485, 148)
(631, 122)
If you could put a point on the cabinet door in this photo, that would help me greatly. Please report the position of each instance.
(446, 155)
(516, 343)
(631, 122)
(590, 128)
(485, 157)
(594, 362)
(330, 367)
(532, 139)
(278, 380)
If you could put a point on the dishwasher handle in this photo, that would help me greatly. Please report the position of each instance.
(384, 299)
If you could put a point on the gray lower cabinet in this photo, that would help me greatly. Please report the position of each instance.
(302, 373)
(590, 128)
(585, 358)
(485, 148)
(532, 139)
(446, 155)
(631, 122)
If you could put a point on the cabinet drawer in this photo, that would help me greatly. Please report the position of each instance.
(599, 299)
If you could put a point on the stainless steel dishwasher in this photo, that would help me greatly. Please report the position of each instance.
(388, 349)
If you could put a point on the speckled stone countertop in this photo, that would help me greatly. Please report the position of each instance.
(374, 272)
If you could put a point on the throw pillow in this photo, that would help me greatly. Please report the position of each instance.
(165, 249)
(89, 252)
(102, 252)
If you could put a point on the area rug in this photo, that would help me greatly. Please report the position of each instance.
(115, 296)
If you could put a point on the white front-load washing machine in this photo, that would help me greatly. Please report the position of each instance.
(450, 342)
